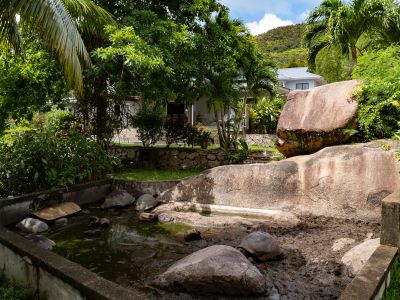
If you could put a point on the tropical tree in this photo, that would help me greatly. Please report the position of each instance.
(230, 64)
(58, 30)
(342, 24)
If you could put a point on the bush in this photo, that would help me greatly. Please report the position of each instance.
(265, 115)
(41, 159)
(10, 290)
(379, 95)
(149, 122)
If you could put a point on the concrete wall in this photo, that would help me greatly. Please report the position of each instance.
(137, 188)
(174, 159)
(48, 273)
(292, 84)
(14, 209)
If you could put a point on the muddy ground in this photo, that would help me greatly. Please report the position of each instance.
(310, 269)
(131, 254)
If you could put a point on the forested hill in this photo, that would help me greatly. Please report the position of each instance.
(283, 45)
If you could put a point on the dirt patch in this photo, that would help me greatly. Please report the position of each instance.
(310, 269)
(133, 253)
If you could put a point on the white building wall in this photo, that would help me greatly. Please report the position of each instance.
(292, 84)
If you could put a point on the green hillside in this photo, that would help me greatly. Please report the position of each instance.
(283, 46)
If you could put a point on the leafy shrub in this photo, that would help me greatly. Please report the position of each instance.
(149, 122)
(40, 159)
(265, 115)
(10, 290)
(379, 95)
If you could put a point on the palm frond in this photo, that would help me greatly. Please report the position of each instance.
(58, 31)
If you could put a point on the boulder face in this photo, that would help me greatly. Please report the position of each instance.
(356, 257)
(347, 181)
(317, 118)
(214, 270)
(118, 198)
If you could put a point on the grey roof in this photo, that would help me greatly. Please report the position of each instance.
(297, 73)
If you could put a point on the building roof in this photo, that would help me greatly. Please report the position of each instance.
(297, 74)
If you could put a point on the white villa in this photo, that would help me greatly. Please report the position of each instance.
(297, 79)
(289, 79)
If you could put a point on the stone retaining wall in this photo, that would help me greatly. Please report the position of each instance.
(174, 159)
(264, 140)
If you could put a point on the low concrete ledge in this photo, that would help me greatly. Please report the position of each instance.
(49, 273)
(374, 278)
(14, 209)
(139, 187)
(390, 225)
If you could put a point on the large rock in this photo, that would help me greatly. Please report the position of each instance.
(146, 202)
(32, 225)
(117, 198)
(356, 257)
(317, 118)
(347, 181)
(217, 270)
(261, 245)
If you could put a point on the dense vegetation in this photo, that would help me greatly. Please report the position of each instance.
(51, 152)
(284, 46)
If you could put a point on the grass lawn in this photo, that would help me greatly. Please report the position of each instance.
(145, 174)
(393, 293)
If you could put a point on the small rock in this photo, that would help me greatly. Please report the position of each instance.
(217, 269)
(261, 246)
(339, 244)
(192, 235)
(147, 217)
(41, 241)
(118, 198)
(146, 202)
(104, 222)
(32, 225)
(61, 222)
(356, 257)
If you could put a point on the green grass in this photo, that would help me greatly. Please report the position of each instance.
(261, 148)
(144, 174)
(393, 293)
(10, 290)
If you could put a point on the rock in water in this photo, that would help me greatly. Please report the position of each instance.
(41, 241)
(317, 118)
(356, 257)
(261, 246)
(118, 198)
(32, 225)
(145, 202)
(218, 270)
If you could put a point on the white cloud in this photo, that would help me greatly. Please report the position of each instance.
(303, 16)
(268, 22)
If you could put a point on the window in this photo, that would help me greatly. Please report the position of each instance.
(302, 86)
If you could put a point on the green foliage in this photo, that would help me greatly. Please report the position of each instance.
(379, 96)
(333, 65)
(10, 290)
(281, 39)
(45, 158)
(265, 115)
(149, 122)
(283, 46)
(28, 83)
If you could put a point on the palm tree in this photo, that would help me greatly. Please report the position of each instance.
(58, 30)
(335, 22)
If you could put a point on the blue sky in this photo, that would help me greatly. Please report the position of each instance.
(263, 15)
